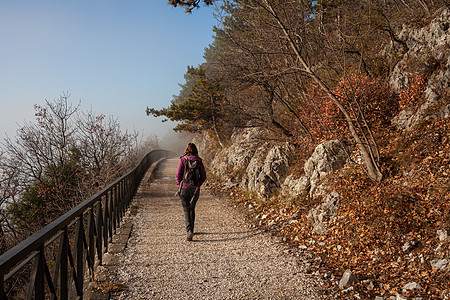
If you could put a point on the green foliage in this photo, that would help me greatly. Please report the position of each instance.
(197, 107)
(27, 210)
(54, 193)
(189, 5)
(58, 161)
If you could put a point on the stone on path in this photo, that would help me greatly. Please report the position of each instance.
(347, 279)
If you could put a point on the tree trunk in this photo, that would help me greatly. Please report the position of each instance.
(372, 167)
(213, 117)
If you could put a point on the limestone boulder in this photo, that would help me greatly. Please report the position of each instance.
(427, 48)
(267, 169)
(425, 45)
(326, 158)
(294, 187)
(347, 279)
(244, 142)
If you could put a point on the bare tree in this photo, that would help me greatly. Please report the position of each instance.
(41, 148)
(361, 137)
(103, 147)
(9, 189)
(59, 160)
(269, 46)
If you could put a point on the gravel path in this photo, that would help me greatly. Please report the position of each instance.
(226, 260)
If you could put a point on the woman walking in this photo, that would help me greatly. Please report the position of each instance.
(190, 176)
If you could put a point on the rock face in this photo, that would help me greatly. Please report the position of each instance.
(243, 146)
(265, 178)
(430, 40)
(254, 179)
(262, 168)
(257, 167)
(427, 48)
(326, 158)
(295, 187)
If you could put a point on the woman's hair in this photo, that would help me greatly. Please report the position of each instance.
(192, 149)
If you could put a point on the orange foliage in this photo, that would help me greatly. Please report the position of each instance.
(366, 99)
(319, 115)
(413, 94)
(368, 95)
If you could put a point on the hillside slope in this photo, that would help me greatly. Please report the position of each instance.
(392, 235)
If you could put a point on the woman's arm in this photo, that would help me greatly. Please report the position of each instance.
(202, 174)
(180, 171)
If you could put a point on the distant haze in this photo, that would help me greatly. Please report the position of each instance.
(176, 142)
(117, 57)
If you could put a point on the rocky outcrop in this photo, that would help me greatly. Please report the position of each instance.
(295, 187)
(427, 51)
(258, 167)
(425, 46)
(254, 179)
(262, 168)
(265, 178)
(326, 158)
(244, 143)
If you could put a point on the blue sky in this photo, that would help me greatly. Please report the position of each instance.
(116, 56)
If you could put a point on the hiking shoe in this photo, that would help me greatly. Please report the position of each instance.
(189, 235)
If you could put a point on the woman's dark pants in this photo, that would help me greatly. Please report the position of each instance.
(189, 199)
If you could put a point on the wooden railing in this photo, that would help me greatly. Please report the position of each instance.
(81, 236)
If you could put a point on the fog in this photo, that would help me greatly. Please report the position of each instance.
(176, 142)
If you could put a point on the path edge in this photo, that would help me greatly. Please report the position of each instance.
(103, 285)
